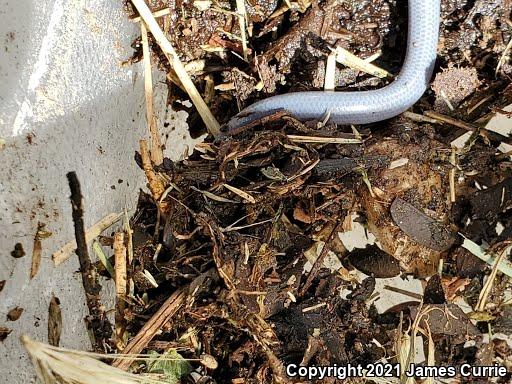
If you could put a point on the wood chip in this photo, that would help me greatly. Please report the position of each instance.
(121, 288)
(168, 309)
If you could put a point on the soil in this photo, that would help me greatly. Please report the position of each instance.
(250, 223)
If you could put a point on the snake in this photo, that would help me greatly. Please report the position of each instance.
(370, 106)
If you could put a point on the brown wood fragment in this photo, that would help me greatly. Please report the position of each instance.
(156, 185)
(54, 321)
(97, 322)
(121, 286)
(168, 309)
(157, 155)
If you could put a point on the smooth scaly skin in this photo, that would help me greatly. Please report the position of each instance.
(367, 106)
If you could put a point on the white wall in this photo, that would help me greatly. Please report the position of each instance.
(61, 83)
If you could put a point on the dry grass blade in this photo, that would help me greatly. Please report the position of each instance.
(157, 155)
(59, 365)
(487, 288)
(431, 359)
(214, 197)
(453, 161)
(100, 255)
(322, 140)
(352, 61)
(242, 194)
(503, 56)
(211, 123)
(90, 234)
(242, 17)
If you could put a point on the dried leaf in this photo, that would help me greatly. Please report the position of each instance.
(37, 251)
(374, 262)
(170, 364)
(447, 319)
(54, 321)
(18, 251)
(454, 285)
(420, 227)
(4, 332)
(14, 314)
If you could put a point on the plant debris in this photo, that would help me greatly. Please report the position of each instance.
(18, 251)
(14, 314)
(54, 321)
(4, 332)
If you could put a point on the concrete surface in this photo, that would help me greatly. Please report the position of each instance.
(66, 104)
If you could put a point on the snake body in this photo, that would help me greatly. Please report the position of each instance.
(365, 107)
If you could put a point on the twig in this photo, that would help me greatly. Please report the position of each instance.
(97, 321)
(168, 309)
(319, 262)
(211, 123)
(120, 280)
(157, 155)
(419, 118)
(450, 120)
(90, 234)
(403, 292)
(129, 237)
